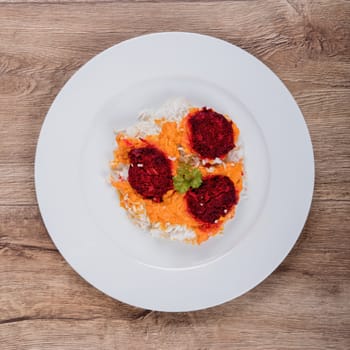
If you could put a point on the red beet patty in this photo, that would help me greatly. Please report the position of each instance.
(150, 172)
(212, 200)
(211, 134)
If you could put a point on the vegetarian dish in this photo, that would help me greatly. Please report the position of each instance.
(179, 171)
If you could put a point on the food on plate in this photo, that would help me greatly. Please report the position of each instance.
(212, 200)
(179, 171)
(150, 172)
(210, 134)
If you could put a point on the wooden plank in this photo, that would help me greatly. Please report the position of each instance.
(183, 332)
(23, 226)
(17, 184)
(106, 1)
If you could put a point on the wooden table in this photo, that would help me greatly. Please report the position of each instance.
(304, 304)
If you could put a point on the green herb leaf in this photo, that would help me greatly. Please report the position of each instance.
(187, 177)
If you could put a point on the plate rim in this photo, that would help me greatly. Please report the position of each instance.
(37, 170)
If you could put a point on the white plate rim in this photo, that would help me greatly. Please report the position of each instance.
(166, 281)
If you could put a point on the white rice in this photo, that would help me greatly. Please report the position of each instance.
(172, 110)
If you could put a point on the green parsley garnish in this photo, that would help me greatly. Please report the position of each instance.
(187, 177)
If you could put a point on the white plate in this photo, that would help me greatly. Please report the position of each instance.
(81, 211)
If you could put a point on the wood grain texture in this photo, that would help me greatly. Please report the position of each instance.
(304, 304)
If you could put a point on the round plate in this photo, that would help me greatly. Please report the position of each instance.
(81, 210)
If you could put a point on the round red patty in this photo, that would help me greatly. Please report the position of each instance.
(150, 172)
(212, 200)
(211, 134)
